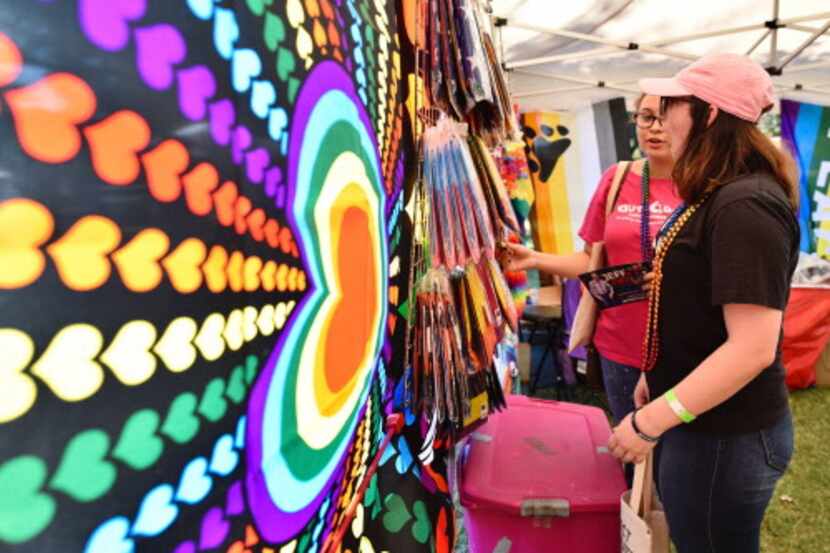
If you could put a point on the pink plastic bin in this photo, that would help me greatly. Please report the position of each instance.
(538, 478)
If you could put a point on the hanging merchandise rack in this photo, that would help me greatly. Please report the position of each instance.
(462, 317)
(461, 68)
(463, 310)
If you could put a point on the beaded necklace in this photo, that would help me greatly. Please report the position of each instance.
(645, 217)
(665, 238)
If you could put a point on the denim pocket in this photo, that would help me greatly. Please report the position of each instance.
(778, 444)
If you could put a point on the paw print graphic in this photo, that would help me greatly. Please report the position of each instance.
(546, 148)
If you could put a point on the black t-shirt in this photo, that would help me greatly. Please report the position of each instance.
(740, 246)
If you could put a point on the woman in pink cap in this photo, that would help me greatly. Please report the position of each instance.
(645, 200)
(713, 391)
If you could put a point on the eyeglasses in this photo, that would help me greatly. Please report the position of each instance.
(646, 119)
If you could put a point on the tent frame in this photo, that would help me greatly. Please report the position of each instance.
(776, 66)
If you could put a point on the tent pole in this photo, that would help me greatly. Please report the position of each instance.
(759, 42)
(547, 91)
(578, 80)
(609, 46)
(809, 67)
(708, 34)
(802, 28)
(805, 44)
(773, 54)
(804, 18)
(656, 47)
(584, 55)
(622, 45)
(550, 59)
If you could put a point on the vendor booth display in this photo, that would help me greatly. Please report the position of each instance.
(461, 71)
(513, 168)
(463, 303)
(464, 318)
(807, 324)
(204, 259)
(806, 334)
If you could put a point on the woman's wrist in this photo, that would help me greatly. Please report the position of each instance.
(656, 418)
(536, 260)
(644, 435)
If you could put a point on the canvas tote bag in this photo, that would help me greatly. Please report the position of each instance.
(643, 525)
(585, 319)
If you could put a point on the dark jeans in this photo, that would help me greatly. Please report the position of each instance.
(716, 488)
(620, 381)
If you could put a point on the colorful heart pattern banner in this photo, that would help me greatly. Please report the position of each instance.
(204, 263)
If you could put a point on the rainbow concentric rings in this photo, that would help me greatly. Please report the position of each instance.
(312, 393)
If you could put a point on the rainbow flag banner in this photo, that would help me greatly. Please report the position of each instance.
(805, 128)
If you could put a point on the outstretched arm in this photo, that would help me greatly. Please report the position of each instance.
(520, 258)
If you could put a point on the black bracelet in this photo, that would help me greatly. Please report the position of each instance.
(646, 437)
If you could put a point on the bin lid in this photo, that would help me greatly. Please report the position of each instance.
(542, 457)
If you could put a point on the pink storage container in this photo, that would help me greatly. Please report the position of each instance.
(538, 478)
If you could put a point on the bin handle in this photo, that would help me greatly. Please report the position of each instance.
(553, 507)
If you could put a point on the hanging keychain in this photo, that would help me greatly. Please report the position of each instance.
(439, 201)
(453, 206)
(490, 174)
(483, 212)
(505, 298)
(472, 192)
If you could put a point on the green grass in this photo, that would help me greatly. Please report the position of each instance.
(798, 519)
(802, 525)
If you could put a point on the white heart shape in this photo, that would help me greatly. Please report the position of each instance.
(129, 354)
(209, 340)
(176, 345)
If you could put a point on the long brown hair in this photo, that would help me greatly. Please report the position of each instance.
(730, 147)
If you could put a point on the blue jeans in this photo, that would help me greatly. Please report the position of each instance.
(716, 488)
(620, 381)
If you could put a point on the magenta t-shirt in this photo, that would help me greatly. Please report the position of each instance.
(620, 330)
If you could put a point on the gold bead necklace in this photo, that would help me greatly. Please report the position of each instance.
(651, 341)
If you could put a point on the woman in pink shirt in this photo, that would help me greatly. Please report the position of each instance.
(620, 330)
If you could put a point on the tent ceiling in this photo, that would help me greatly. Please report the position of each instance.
(567, 80)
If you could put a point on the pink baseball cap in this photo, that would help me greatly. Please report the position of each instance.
(730, 82)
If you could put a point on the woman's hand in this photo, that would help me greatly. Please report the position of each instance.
(641, 393)
(516, 257)
(626, 445)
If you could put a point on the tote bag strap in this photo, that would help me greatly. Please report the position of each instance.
(597, 255)
(642, 490)
(616, 184)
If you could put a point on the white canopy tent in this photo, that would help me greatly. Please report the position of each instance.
(561, 56)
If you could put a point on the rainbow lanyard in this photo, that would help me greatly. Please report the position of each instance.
(676, 214)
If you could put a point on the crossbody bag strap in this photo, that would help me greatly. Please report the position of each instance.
(614, 192)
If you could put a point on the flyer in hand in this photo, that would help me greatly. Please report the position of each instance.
(617, 285)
